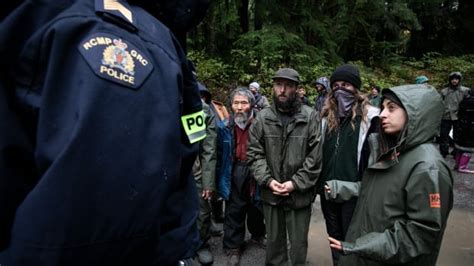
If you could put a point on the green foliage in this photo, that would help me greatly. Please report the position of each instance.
(433, 65)
(258, 54)
(391, 42)
(438, 68)
(376, 32)
(213, 73)
(221, 77)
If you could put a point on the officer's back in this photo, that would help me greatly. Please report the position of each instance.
(95, 164)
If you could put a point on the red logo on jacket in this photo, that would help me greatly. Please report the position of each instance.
(435, 200)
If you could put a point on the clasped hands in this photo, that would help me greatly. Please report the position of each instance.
(284, 189)
(207, 194)
(281, 189)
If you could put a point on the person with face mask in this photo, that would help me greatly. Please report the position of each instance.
(104, 118)
(407, 189)
(347, 121)
(285, 159)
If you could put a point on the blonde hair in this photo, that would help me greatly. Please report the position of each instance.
(329, 111)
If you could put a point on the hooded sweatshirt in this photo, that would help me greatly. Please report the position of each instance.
(322, 97)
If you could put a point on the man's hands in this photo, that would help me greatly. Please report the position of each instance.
(281, 189)
(206, 194)
(327, 189)
(335, 244)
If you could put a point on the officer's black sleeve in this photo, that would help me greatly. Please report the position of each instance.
(179, 228)
(17, 168)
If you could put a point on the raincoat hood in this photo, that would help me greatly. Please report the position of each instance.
(405, 199)
(453, 74)
(325, 82)
(421, 79)
(424, 108)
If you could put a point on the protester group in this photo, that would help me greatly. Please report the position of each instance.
(385, 188)
(111, 152)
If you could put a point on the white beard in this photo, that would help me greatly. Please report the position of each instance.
(241, 119)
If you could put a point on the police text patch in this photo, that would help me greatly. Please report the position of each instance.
(194, 126)
(115, 59)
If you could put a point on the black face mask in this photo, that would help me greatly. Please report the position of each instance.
(345, 100)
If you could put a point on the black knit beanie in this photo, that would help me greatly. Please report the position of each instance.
(348, 73)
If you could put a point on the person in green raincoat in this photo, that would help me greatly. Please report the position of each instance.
(406, 193)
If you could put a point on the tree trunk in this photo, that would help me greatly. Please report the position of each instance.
(243, 9)
(258, 14)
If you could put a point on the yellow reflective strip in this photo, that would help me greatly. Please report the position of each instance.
(115, 5)
(194, 125)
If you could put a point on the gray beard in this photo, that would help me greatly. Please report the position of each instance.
(241, 119)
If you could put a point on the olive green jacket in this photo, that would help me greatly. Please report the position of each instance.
(406, 193)
(284, 153)
(204, 167)
(451, 98)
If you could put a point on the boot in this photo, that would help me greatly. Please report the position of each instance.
(260, 241)
(466, 171)
(464, 159)
(187, 262)
(204, 255)
(233, 257)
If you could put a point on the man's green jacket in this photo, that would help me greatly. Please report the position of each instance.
(286, 152)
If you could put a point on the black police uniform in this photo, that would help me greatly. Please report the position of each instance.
(95, 161)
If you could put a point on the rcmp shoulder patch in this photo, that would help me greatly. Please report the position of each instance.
(115, 59)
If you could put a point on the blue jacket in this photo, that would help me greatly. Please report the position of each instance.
(230, 177)
(94, 161)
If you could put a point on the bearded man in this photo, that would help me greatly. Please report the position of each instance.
(243, 204)
(452, 95)
(285, 159)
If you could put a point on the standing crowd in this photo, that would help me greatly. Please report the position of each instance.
(385, 189)
(111, 152)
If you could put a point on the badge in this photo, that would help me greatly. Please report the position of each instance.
(115, 59)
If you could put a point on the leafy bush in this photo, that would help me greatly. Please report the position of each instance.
(257, 56)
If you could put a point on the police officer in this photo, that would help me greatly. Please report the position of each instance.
(100, 117)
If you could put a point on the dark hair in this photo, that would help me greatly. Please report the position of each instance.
(377, 88)
(243, 91)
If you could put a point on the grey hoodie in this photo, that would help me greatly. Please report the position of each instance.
(322, 97)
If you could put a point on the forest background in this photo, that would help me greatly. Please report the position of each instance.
(391, 42)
